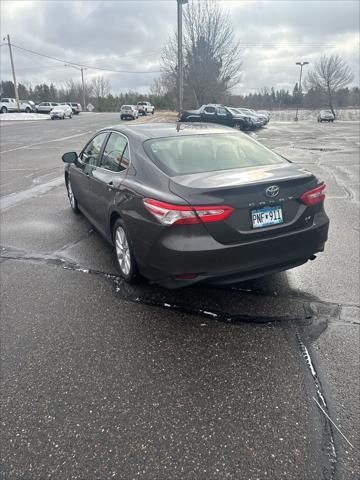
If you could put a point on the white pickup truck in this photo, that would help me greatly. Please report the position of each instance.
(10, 105)
(145, 107)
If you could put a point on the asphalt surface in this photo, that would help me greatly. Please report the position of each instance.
(102, 380)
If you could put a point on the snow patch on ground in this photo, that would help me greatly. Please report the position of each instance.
(23, 116)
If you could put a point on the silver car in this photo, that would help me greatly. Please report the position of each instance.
(45, 107)
(61, 112)
(128, 111)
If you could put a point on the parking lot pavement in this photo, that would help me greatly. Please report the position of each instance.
(104, 380)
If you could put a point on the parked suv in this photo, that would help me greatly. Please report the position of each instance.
(214, 113)
(326, 116)
(45, 107)
(128, 111)
(10, 105)
(76, 107)
(145, 107)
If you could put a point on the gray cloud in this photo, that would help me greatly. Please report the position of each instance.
(113, 34)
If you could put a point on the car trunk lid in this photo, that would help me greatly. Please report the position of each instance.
(244, 190)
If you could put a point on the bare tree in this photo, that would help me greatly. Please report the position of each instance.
(212, 55)
(100, 89)
(329, 75)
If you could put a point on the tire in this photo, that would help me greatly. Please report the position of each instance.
(124, 253)
(3, 110)
(73, 202)
(121, 117)
(152, 113)
(27, 110)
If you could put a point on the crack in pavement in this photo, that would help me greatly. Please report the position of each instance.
(311, 307)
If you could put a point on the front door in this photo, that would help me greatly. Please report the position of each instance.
(87, 162)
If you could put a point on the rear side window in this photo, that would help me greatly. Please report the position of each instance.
(204, 153)
(116, 153)
(209, 109)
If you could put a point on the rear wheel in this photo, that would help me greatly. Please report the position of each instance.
(27, 110)
(72, 199)
(3, 110)
(124, 255)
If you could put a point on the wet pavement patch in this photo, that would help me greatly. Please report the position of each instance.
(224, 305)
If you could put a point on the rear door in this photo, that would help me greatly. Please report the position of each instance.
(106, 180)
(209, 114)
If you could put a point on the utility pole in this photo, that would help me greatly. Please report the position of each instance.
(180, 3)
(301, 64)
(83, 88)
(13, 73)
(82, 81)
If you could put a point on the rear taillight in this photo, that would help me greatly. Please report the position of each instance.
(314, 196)
(169, 214)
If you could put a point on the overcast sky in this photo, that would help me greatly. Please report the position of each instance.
(129, 34)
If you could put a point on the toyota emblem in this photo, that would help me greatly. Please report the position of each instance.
(272, 191)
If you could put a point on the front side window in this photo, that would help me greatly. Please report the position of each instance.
(221, 111)
(205, 153)
(116, 153)
(91, 153)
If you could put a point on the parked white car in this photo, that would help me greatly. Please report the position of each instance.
(128, 111)
(76, 107)
(61, 112)
(145, 107)
(10, 105)
(45, 107)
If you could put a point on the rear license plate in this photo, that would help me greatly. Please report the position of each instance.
(264, 217)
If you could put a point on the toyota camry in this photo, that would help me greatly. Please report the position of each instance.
(188, 203)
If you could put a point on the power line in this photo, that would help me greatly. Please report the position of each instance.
(80, 64)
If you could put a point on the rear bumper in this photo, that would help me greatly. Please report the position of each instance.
(218, 263)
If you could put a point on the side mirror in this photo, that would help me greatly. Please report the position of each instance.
(70, 157)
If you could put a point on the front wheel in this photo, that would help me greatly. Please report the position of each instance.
(153, 112)
(3, 110)
(124, 255)
(72, 199)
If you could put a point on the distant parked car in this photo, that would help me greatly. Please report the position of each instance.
(31, 103)
(215, 113)
(76, 107)
(129, 111)
(266, 113)
(10, 105)
(256, 116)
(326, 116)
(61, 112)
(145, 107)
(45, 107)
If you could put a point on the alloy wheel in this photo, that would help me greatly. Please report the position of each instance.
(122, 251)
(71, 195)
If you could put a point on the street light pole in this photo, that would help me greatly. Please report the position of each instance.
(301, 64)
(180, 3)
(83, 88)
(13, 73)
(82, 81)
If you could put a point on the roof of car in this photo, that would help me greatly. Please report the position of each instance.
(144, 131)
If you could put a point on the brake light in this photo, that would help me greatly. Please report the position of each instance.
(314, 196)
(169, 214)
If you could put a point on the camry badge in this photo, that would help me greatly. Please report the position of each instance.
(272, 191)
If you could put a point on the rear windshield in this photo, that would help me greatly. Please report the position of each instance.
(206, 153)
